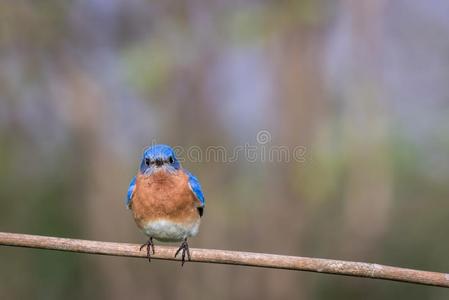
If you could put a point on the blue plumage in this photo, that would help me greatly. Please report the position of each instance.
(131, 188)
(158, 155)
(195, 186)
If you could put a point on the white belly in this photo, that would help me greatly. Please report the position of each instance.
(168, 231)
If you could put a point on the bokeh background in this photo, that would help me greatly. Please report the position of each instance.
(361, 85)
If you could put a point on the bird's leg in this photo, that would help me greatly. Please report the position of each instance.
(150, 246)
(185, 249)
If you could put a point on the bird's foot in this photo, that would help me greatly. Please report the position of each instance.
(150, 248)
(185, 249)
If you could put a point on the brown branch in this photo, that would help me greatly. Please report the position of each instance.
(339, 267)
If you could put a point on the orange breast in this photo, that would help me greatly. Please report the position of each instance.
(164, 196)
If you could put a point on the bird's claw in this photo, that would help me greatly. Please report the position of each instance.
(150, 248)
(185, 249)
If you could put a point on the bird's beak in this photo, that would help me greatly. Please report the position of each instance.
(159, 162)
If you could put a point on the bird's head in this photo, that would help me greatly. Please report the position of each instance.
(159, 157)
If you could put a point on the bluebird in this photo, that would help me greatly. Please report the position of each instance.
(166, 200)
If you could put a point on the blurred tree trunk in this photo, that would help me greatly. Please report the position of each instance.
(368, 192)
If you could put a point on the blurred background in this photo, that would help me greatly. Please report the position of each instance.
(362, 86)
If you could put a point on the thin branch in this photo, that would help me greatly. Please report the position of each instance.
(339, 267)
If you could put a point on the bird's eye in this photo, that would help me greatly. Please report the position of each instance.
(171, 160)
(147, 161)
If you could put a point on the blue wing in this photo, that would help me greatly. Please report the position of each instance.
(131, 188)
(195, 186)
